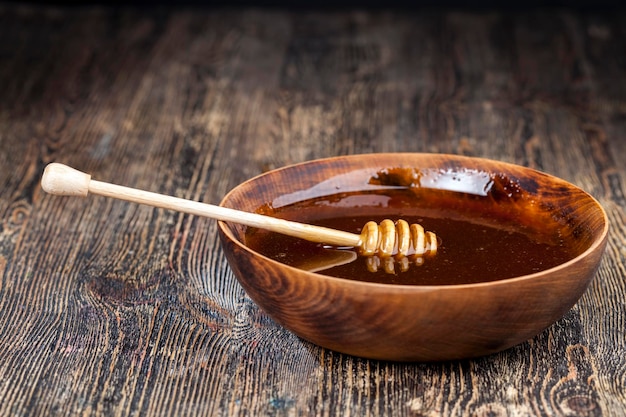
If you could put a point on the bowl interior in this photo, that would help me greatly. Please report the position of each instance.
(461, 198)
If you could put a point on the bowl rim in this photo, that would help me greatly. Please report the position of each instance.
(601, 240)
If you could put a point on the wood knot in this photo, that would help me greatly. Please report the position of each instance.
(127, 289)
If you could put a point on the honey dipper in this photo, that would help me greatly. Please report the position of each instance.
(381, 243)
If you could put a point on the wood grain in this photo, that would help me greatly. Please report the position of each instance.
(112, 309)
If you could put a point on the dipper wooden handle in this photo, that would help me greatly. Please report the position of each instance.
(60, 179)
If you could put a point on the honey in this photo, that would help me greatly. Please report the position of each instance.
(475, 247)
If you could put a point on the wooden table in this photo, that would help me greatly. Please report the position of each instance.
(108, 308)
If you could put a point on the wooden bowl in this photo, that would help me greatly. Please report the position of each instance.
(421, 322)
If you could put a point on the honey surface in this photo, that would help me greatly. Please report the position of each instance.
(472, 250)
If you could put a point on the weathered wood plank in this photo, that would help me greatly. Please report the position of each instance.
(112, 309)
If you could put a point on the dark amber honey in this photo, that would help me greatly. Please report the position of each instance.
(475, 247)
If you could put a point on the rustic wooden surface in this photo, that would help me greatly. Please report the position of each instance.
(113, 309)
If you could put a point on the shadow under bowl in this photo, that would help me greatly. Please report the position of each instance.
(421, 322)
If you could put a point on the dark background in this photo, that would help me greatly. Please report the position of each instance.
(582, 5)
